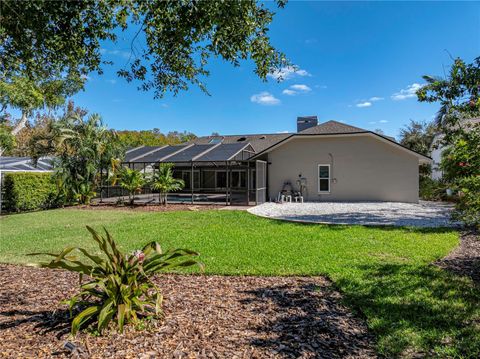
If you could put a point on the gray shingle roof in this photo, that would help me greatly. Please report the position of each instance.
(331, 128)
(259, 142)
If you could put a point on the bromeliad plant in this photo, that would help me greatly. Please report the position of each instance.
(119, 286)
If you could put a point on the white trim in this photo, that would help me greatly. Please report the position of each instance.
(329, 178)
(240, 151)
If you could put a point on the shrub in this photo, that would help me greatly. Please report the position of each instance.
(432, 190)
(462, 158)
(131, 180)
(467, 208)
(120, 286)
(164, 182)
(26, 191)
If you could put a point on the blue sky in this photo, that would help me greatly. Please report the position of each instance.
(359, 63)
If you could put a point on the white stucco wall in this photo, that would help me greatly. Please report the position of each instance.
(362, 169)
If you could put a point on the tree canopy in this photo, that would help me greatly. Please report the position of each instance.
(418, 136)
(42, 40)
(458, 94)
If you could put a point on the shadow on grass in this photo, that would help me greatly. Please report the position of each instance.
(383, 227)
(416, 310)
(309, 322)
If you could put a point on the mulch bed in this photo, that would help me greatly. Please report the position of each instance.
(205, 317)
(465, 259)
(149, 207)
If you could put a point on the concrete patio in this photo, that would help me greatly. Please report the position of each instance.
(422, 214)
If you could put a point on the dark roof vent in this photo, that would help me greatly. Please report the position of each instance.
(263, 137)
(306, 122)
(241, 139)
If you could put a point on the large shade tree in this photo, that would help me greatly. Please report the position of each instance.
(171, 42)
(27, 96)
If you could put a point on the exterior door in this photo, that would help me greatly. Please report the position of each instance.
(261, 181)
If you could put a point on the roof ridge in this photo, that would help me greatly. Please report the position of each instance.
(248, 134)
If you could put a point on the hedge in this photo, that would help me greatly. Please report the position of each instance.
(26, 191)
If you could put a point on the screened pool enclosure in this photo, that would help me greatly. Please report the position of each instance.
(219, 173)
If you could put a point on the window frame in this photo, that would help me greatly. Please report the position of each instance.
(320, 178)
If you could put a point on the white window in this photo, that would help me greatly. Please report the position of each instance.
(323, 178)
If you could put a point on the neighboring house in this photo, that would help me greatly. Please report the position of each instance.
(25, 164)
(330, 161)
(437, 149)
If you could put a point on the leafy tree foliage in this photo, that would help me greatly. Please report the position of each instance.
(7, 140)
(418, 136)
(458, 95)
(44, 40)
(81, 147)
(459, 98)
(164, 182)
(462, 158)
(129, 138)
(26, 95)
(131, 180)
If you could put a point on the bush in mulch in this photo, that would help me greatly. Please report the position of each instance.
(204, 317)
(118, 288)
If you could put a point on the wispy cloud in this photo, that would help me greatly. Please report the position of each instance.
(383, 121)
(367, 103)
(299, 87)
(112, 81)
(296, 89)
(289, 92)
(408, 92)
(265, 98)
(311, 41)
(288, 72)
(364, 104)
(121, 53)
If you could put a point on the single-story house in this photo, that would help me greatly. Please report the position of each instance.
(330, 161)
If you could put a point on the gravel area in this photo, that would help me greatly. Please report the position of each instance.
(205, 317)
(422, 214)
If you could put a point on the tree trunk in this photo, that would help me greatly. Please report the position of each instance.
(20, 124)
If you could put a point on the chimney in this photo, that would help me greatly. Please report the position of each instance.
(306, 122)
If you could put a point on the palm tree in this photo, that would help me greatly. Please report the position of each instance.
(132, 180)
(164, 182)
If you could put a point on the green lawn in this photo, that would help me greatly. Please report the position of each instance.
(384, 273)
